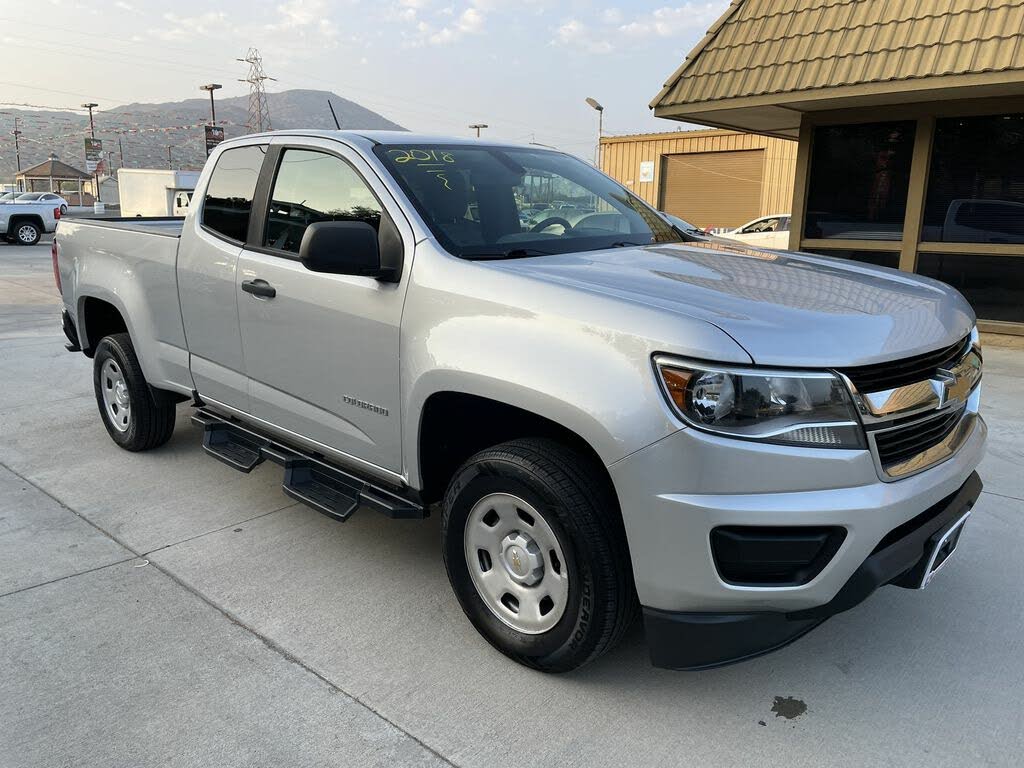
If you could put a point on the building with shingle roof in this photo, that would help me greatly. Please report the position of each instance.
(909, 118)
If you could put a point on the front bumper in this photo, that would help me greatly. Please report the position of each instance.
(742, 483)
(681, 640)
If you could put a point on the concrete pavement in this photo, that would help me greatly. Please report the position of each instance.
(161, 608)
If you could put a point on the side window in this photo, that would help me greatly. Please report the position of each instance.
(311, 187)
(228, 200)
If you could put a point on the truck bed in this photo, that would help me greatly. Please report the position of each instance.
(168, 226)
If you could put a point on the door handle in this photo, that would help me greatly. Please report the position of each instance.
(259, 288)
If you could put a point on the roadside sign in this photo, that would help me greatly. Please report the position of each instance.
(214, 136)
(646, 171)
(94, 156)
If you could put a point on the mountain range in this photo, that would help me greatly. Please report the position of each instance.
(146, 130)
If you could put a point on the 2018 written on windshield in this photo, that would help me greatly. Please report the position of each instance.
(429, 160)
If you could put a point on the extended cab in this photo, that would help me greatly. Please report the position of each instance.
(609, 414)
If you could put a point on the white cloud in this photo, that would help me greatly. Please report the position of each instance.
(575, 34)
(611, 26)
(669, 21)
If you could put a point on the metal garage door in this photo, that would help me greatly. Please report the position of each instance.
(713, 189)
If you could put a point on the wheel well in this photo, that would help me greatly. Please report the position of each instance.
(30, 218)
(455, 425)
(99, 318)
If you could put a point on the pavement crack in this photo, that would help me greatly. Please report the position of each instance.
(292, 658)
(218, 530)
(65, 578)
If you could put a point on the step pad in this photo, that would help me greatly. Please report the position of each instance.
(233, 448)
(330, 493)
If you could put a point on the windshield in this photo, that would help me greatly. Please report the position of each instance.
(498, 202)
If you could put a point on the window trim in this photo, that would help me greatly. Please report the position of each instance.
(272, 167)
(255, 195)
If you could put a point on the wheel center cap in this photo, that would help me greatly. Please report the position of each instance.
(121, 393)
(522, 558)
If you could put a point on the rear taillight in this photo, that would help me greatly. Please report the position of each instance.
(56, 213)
(56, 269)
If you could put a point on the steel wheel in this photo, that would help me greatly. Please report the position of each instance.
(115, 395)
(516, 563)
(27, 234)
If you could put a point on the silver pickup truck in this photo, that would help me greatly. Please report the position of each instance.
(610, 415)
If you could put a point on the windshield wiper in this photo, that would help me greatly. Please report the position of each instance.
(512, 253)
(627, 244)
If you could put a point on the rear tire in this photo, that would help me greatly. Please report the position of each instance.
(518, 521)
(135, 417)
(27, 233)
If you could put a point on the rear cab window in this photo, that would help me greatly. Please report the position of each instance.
(229, 195)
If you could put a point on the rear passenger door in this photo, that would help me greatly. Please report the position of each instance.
(322, 355)
(207, 263)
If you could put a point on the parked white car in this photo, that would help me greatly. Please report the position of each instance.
(766, 232)
(51, 198)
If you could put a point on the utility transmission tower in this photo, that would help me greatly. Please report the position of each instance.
(259, 112)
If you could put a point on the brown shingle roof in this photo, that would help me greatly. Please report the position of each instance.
(765, 47)
(56, 169)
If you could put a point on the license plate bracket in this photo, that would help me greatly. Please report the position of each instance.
(941, 547)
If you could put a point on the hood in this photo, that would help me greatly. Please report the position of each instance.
(784, 309)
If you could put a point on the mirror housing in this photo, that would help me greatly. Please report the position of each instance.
(352, 248)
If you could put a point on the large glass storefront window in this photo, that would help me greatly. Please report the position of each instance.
(976, 182)
(859, 179)
(993, 284)
(878, 258)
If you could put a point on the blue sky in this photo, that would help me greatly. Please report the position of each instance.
(522, 67)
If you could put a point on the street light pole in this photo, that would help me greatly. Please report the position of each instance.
(92, 133)
(17, 145)
(211, 87)
(477, 127)
(600, 129)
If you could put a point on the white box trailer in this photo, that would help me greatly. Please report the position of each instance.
(155, 192)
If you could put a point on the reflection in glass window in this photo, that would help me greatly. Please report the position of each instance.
(993, 284)
(229, 194)
(976, 181)
(311, 187)
(878, 258)
(860, 175)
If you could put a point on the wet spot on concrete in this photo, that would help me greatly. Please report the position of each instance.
(788, 707)
(762, 722)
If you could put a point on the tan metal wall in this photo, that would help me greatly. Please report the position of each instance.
(621, 157)
(713, 189)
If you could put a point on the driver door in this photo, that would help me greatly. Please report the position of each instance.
(322, 354)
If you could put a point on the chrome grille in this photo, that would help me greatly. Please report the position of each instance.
(899, 373)
(901, 443)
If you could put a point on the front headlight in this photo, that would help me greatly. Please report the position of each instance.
(789, 408)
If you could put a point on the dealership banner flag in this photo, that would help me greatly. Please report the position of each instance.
(214, 136)
(94, 155)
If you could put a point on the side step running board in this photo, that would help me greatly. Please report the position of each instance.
(326, 488)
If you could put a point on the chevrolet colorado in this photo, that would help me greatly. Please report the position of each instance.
(611, 415)
(25, 223)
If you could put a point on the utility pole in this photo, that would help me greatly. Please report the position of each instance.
(17, 145)
(211, 87)
(259, 112)
(600, 130)
(92, 133)
(478, 127)
(120, 149)
(169, 166)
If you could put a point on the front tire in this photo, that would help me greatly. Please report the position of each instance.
(535, 551)
(27, 233)
(135, 419)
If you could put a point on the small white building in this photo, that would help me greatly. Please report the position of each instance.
(155, 191)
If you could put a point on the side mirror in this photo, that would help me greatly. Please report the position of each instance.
(345, 248)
